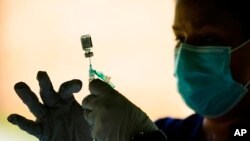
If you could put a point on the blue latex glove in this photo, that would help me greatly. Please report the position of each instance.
(59, 118)
(112, 116)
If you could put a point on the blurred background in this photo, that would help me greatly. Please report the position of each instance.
(132, 42)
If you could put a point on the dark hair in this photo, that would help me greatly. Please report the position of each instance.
(238, 8)
(240, 11)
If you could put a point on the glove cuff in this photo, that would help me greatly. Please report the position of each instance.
(156, 135)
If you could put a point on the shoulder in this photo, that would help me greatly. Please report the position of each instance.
(181, 128)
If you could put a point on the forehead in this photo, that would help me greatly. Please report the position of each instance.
(198, 12)
(197, 18)
(195, 15)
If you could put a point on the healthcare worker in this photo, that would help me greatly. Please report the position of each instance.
(212, 68)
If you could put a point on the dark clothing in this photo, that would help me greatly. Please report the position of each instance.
(188, 129)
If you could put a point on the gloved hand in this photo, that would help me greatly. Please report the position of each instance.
(112, 116)
(59, 118)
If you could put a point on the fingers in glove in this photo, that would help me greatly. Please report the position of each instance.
(88, 103)
(98, 87)
(89, 116)
(47, 91)
(67, 89)
(30, 99)
(29, 126)
(97, 131)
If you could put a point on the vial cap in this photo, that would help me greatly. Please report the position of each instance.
(89, 54)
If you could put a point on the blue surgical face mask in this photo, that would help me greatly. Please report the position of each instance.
(204, 79)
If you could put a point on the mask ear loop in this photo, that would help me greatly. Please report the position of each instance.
(241, 45)
(247, 84)
(238, 47)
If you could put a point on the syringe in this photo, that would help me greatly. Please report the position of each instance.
(87, 45)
